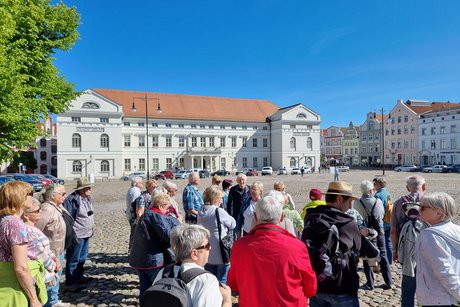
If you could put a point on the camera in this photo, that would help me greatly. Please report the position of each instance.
(412, 210)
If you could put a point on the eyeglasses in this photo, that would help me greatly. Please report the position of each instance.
(36, 211)
(62, 194)
(206, 246)
(425, 207)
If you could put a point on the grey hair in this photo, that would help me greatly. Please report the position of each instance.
(135, 180)
(212, 194)
(366, 186)
(380, 180)
(278, 195)
(269, 210)
(169, 185)
(50, 190)
(443, 201)
(185, 238)
(158, 190)
(241, 176)
(193, 176)
(415, 183)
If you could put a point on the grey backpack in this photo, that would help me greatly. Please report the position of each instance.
(170, 291)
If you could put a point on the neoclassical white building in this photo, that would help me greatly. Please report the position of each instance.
(108, 133)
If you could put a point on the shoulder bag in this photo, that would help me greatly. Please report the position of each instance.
(226, 242)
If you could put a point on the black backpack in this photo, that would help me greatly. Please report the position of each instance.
(322, 240)
(170, 291)
(371, 220)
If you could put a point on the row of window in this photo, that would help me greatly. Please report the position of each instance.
(442, 144)
(442, 130)
(195, 126)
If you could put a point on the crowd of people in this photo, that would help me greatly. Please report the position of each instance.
(279, 256)
(38, 239)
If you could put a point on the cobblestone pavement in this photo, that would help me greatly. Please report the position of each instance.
(116, 284)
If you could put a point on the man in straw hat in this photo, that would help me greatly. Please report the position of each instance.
(80, 207)
(341, 289)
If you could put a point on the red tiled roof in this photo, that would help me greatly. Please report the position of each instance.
(191, 107)
(434, 106)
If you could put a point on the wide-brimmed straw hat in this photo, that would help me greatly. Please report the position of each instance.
(340, 188)
(83, 183)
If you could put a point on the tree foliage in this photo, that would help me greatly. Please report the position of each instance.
(31, 87)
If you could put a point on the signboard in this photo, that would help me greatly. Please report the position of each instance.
(301, 133)
(90, 129)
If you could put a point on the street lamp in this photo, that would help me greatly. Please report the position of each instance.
(382, 148)
(133, 109)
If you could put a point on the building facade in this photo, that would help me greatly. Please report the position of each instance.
(333, 144)
(351, 145)
(439, 135)
(110, 133)
(370, 140)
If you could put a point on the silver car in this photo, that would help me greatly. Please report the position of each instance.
(406, 168)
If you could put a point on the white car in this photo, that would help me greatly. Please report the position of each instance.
(267, 170)
(183, 174)
(295, 171)
(282, 171)
(435, 169)
(343, 168)
(406, 168)
(134, 175)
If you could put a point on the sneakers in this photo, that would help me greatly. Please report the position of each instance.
(61, 304)
(388, 287)
(368, 287)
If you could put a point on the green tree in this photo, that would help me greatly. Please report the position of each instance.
(31, 87)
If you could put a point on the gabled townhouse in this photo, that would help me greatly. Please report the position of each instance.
(351, 145)
(402, 133)
(333, 144)
(370, 140)
(109, 133)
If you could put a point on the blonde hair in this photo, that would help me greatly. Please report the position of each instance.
(279, 186)
(259, 186)
(161, 198)
(13, 195)
(151, 183)
(212, 194)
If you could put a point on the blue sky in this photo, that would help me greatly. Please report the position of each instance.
(342, 59)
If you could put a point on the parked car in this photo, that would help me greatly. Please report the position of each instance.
(164, 175)
(54, 179)
(243, 171)
(251, 172)
(453, 168)
(182, 174)
(343, 168)
(203, 173)
(134, 175)
(282, 171)
(46, 182)
(37, 186)
(196, 170)
(267, 170)
(421, 167)
(4, 179)
(406, 168)
(306, 170)
(295, 171)
(220, 172)
(435, 169)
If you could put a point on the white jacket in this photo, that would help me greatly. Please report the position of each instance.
(438, 265)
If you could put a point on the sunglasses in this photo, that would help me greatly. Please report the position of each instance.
(206, 246)
(36, 211)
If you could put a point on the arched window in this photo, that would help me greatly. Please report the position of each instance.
(42, 155)
(105, 166)
(76, 140)
(104, 141)
(293, 162)
(292, 143)
(43, 169)
(301, 115)
(76, 166)
(309, 143)
(90, 105)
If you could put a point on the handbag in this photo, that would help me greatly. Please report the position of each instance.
(368, 249)
(226, 242)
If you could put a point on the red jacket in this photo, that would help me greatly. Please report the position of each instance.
(270, 267)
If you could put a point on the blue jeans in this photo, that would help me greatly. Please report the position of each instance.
(218, 270)
(333, 300)
(76, 256)
(384, 265)
(408, 291)
(146, 278)
(53, 291)
(388, 245)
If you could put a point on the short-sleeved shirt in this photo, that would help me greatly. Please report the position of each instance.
(13, 231)
(191, 199)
